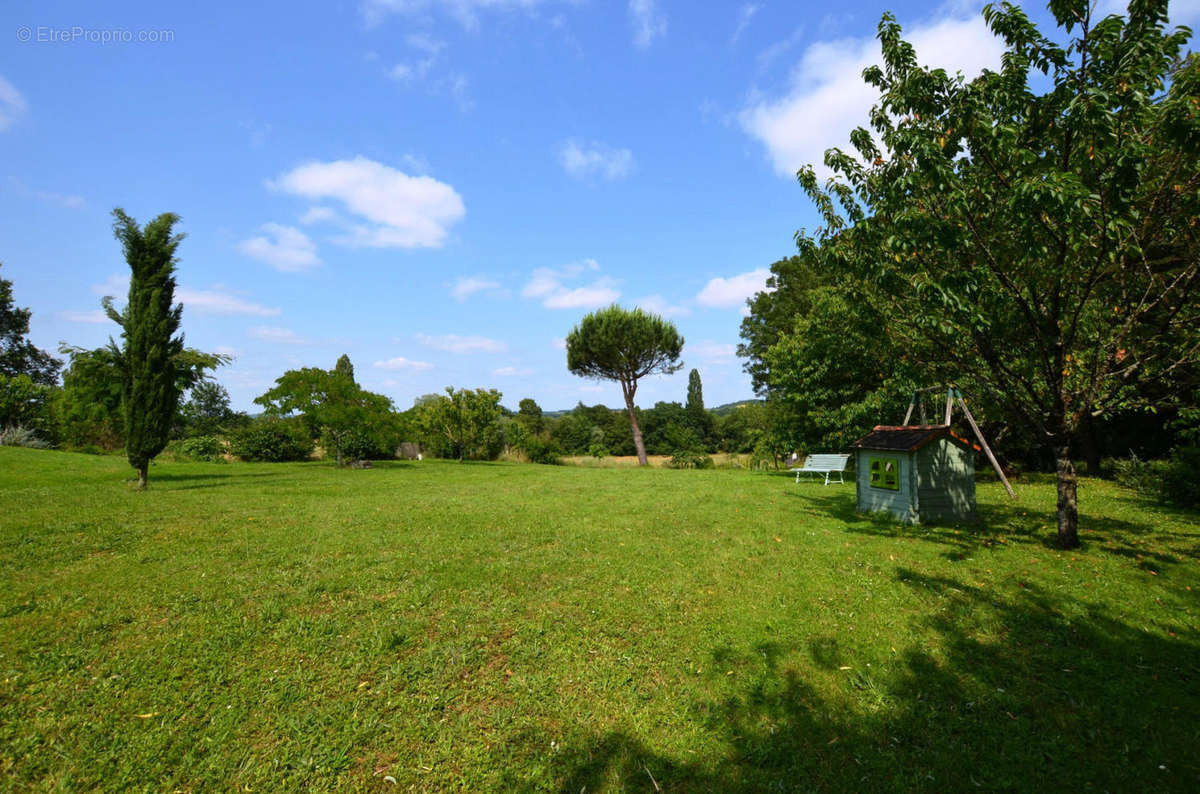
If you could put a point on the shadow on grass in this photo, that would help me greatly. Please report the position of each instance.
(1153, 546)
(184, 481)
(1005, 693)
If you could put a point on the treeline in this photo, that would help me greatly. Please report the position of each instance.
(76, 403)
(78, 407)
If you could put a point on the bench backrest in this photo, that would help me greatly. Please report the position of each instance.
(826, 462)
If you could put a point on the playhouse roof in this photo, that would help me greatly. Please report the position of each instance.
(907, 438)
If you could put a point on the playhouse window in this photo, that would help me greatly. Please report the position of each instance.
(885, 473)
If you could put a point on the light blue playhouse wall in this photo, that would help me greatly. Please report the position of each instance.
(901, 503)
(946, 481)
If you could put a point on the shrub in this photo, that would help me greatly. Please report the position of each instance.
(361, 444)
(598, 450)
(1136, 474)
(207, 448)
(542, 450)
(690, 459)
(20, 436)
(273, 440)
(1180, 482)
(763, 456)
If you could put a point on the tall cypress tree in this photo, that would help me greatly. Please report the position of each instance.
(695, 394)
(698, 418)
(151, 348)
(343, 368)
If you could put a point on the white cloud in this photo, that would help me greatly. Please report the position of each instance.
(216, 300)
(453, 343)
(546, 284)
(597, 294)
(714, 353)
(411, 72)
(402, 72)
(512, 372)
(459, 88)
(284, 248)
(219, 301)
(259, 132)
(400, 211)
(281, 336)
(1180, 12)
(429, 48)
(418, 165)
(421, 69)
(465, 12)
(95, 316)
(400, 362)
(745, 14)
(425, 43)
(115, 285)
(70, 201)
(649, 22)
(12, 104)
(559, 344)
(318, 215)
(828, 98)
(657, 304)
(772, 53)
(466, 286)
(588, 159)
(725, 293)
(66, 200)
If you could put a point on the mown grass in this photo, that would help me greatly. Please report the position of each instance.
(433, 626)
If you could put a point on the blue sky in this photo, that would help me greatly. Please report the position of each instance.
(439, 189)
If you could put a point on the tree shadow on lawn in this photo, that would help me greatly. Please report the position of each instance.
(1009, 694)
(187, 481)
(192, 480)
(1154, 547)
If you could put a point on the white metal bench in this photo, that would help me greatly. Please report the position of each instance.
(823, 464)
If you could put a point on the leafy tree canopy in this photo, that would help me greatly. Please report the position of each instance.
(332, 405)
(207, 410)
(1042, 243)
(625, 346)
(462, 424)
(18, 356)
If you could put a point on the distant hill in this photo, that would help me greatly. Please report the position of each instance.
(728, 408)
(720, 410)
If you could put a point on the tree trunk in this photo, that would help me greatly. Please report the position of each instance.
(142, 471)
(1068, 508)
(637, 431)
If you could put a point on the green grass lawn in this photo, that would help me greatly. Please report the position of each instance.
(433, 626)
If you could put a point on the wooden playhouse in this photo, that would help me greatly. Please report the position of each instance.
(917, 473)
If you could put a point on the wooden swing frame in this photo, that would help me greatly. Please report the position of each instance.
(953, 395)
